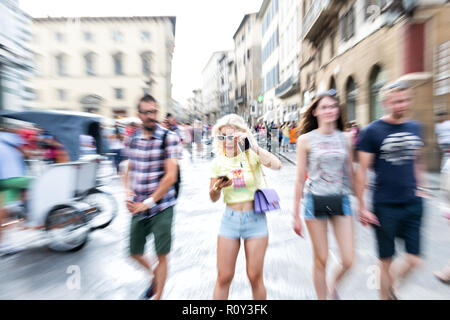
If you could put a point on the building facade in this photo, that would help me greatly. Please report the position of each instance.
(211, 87)
(247, 51)
(288, 89)
(16, 57)
(226, 101)
(359, 46)
(269, 20)
(103, 64)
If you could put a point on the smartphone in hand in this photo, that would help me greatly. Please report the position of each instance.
(224, 178)
(244, 146)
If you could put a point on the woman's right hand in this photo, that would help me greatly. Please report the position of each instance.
(298, 224)
(220, 184)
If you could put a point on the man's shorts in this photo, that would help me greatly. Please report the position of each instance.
(398, 221)
(161, 227)
(243, 224)
(309, 207)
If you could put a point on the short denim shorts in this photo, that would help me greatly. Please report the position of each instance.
(309, 207)
(243, 224)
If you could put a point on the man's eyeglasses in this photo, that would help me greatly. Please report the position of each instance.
(222, 138)
(149, 112)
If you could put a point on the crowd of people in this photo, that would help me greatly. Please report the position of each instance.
(326, 179)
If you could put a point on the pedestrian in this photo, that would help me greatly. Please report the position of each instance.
(13, 179)
(444, 274)
(269, 137)
(325, 151)
(442, 131)
(292, 137)
(116, 147)
(285, 131)
(238, 173)
(153, 166)
(391, 146)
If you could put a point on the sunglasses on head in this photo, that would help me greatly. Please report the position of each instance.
(328, 93)
(400, 85)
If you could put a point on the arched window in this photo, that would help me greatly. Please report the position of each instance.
(91, 103)
(332, 84)
(118, 66)
(351, 93)
(377, 80)
(89, 63)
(146, 60)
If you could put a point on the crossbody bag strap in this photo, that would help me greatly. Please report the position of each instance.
(251, 168)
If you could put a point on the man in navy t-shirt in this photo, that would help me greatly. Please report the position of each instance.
(391, 146)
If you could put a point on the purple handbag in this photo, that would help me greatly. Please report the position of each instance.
(266, 200)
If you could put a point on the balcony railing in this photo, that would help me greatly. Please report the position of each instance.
(314, 18)
(288, 87)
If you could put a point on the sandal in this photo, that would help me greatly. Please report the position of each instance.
(441, 277)
(392, 295)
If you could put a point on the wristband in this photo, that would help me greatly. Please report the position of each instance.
(149, 202)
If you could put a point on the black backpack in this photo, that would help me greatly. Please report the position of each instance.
(178, 182)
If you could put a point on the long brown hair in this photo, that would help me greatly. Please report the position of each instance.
(309, 121)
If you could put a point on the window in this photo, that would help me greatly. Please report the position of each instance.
(118, 64)
(89, 63)
(118, 93)
(61, 65)
(146, 60)
(88, 36)
(332, 45)
(59, 37)
(248, 55)
(146, 91)
(319, 55)
(117, 36)
(347, 25)
(377, 81)
(145, 36)
(62, 94)
(351, 99)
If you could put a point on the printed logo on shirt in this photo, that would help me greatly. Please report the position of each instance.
(239, 180)
(398, 148)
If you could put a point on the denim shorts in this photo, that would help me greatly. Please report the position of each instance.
(243, 224)
(309, 207)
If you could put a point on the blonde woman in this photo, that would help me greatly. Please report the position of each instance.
(237, 173)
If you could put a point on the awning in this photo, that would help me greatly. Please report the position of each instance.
(269, 116)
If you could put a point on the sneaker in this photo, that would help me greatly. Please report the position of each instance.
(150, 292)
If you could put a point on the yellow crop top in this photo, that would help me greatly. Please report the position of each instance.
(238, 170)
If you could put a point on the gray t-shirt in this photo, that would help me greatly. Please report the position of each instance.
(327, 164)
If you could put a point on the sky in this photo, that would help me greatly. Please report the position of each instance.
(202, 27)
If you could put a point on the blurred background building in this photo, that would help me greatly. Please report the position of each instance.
(288, 87)
(357, 46)
(268, 17)
(211, 87)
(16, 57)
(103, 64)
(247, 51)
(227, 105)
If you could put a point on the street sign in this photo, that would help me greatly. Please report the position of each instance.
(260, 98)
